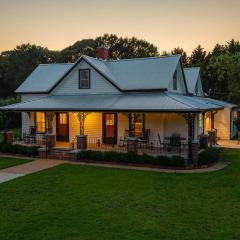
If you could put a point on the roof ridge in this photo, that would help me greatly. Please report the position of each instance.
(144, 58)
(55, 63)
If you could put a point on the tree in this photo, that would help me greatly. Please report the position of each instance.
(233, 46)
(73, 52)
(218, 50)
(17, 64)
(122, 48)
(179, 50)
(198, 56)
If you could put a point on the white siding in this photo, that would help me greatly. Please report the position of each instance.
(28, 120)
(222, 123)
(174, 123)
(180, 82)
(93, 126)
(98, 83)
(165, 124)
(122, 125)
(155, 122)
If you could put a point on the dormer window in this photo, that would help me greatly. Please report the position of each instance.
(84, 78)
(175, 80)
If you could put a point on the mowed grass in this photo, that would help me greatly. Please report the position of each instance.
(82, 202)
(6, 162)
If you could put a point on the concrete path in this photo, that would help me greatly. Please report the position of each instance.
(27, 168)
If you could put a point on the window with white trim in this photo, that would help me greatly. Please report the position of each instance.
(84, 78)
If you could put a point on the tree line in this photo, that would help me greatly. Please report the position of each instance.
(220, 68)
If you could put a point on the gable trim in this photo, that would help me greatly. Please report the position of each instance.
(184, 78)
(70, 70)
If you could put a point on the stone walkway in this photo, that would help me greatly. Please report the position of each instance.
(27, 168)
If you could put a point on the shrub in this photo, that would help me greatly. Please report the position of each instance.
(208, 156)
(18, 149)
(174, 161)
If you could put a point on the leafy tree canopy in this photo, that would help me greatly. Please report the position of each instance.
(220, 67)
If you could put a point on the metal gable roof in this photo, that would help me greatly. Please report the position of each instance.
(148, 102)
(43, 77)
(191, 76)
(144, 73)
(128, 74)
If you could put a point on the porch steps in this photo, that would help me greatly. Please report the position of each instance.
(59, 153)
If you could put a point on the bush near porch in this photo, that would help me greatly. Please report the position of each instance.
(19, 149)
(173, 161)
(208, 156)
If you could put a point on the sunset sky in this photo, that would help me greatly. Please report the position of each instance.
(57, 24)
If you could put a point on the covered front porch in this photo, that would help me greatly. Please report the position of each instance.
(152, 123)
(162, 133)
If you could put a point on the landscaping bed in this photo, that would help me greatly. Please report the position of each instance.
(131, 158)
(19, 149)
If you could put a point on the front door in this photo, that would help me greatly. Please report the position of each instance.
(62, 127)
(110, 128)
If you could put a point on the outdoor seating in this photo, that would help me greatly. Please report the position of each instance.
(30, 136)
(164, 144)
(176, 142)
(123, 141)
(145, 136)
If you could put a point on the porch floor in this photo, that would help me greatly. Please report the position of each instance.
(229, 144)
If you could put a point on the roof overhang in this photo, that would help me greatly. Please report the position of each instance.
(127, 102)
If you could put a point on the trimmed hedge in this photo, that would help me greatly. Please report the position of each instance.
(18, 149)
(174, 161)
(208, 156)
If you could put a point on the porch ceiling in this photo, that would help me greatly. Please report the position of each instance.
(127, 102)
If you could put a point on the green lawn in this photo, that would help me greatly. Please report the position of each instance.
(6, 162)
(91, 203)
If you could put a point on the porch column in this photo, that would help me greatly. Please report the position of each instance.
(50, 137)
(81, 138)
(203, 122)
(131, 118)
(7, 134)
(191, 133)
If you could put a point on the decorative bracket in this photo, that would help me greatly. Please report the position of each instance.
(81, 118)
(49, 117)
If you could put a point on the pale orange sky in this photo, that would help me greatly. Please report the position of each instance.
(57, 24)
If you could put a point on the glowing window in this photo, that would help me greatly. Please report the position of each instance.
(109, 119)
(40, 122)
(63, 118)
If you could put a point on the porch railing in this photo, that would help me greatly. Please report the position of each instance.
(153, 147)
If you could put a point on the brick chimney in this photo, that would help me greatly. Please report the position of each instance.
(102, 53)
